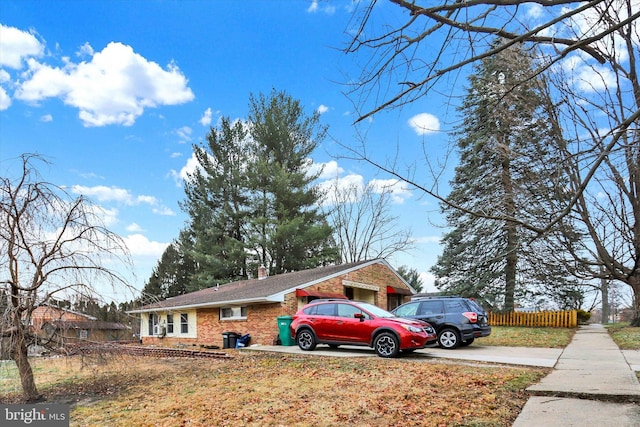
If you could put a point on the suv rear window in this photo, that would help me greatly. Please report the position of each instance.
(456, 306)
(475, 306)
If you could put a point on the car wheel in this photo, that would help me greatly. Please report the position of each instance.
(449, 339)
(306, 340)
(467, 342)
(386, 345)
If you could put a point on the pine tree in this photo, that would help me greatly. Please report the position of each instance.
(506, 168)
(216, 202)
(252, 201)
(171, 276)
(288, 230)
(411, 276)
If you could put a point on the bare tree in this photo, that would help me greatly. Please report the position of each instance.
(51, 244)
(593, 48)
(363, 226)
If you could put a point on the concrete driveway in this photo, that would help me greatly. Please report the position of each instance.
(525, 356)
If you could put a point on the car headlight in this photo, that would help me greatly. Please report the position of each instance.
(413, 329)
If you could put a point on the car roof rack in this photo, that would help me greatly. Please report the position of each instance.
(432, 296)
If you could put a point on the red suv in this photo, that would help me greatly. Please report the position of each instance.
(336, 322)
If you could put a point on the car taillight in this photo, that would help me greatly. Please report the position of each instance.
(472, 316)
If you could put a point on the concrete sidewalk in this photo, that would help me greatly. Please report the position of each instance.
(592, 384)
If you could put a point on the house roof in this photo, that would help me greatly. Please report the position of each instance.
(48, 306)
(87, 324)
(269, 289)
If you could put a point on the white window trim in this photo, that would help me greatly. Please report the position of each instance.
(233, 309)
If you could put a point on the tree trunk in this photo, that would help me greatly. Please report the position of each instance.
(511, 257)
(634, 282)
(604, 288)
(29, 389)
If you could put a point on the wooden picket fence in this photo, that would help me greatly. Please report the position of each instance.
(552, 319)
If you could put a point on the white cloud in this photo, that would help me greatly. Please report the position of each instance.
(188, 168)
(322, 109)
(535, 11)
(133, 227)
(587, 77)
(4, 76)
(595, 78)
(140, 245)
(350, 186)
(428, 282)
(86, 50)
(424, 123)
(184, 133)
(108, 216)
(17, 45)
(111, 194)
(315, 7)
(113, 88)
(399, 190)
(46, 118)
(330, 170)
(164, 211)
(5, 99)
(205, 120)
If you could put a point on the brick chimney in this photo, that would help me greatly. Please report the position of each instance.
(262, 272)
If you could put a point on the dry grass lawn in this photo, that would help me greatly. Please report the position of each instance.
(515, 336)
(262, 389)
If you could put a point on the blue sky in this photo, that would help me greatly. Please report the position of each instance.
(114, 94)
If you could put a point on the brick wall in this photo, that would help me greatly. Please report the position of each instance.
(45, 313)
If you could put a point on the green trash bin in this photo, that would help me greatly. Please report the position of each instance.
(284, 323)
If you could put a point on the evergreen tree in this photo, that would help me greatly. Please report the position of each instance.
(217, 196)
(288, 231)
(506, 168)
(251, 201)
(411, 276)
(170, 277)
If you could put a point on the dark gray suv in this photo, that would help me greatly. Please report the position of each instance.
(458, 321)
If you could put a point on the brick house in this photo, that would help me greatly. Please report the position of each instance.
(71, 326)
(253, 306)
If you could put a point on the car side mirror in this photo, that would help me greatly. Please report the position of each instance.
(359, 316)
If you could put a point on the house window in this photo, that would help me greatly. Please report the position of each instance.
(83, 334)
(184, 323)
(153, 324)
(169, 323)
(233, 313)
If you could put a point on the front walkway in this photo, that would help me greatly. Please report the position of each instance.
(592, 384)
